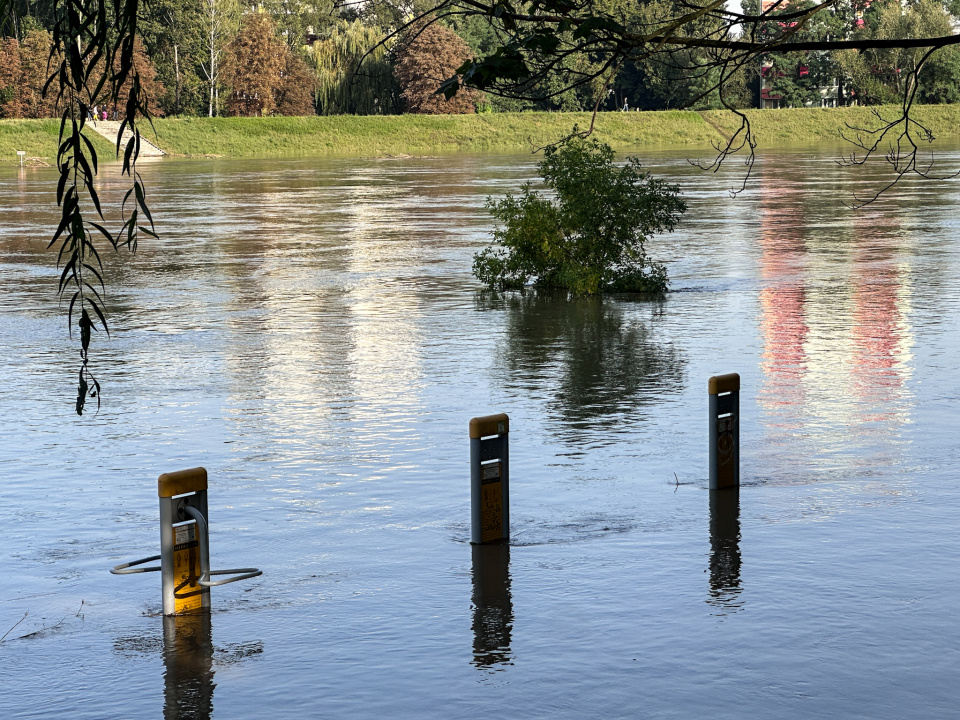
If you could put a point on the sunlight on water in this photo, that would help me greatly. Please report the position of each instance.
(310, 332)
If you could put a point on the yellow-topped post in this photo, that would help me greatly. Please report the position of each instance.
(182, 559)
(184, 545)
(489, 479)
(724, 433)
(182, 482)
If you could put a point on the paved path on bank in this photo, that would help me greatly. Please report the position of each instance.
(109, 129)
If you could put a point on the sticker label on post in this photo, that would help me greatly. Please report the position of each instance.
(186, 568)
(491, 503)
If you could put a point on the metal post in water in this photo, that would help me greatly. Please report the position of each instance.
(489, 479)
(182, 563)
(184, 545)
(724, 434)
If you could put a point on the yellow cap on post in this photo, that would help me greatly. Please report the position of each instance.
(724, 383)
(489, 425)
(182, 481)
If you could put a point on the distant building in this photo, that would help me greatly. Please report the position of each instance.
(769, 99)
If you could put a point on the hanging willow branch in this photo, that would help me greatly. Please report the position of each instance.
(91, 63)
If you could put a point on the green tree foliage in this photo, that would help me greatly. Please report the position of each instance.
(678, 79)
(172, 34)
(343, 87)
(798, 79)
(548, 94)
(219, 23)
(591, 238)
(425, 57)
(883, 75)
(295, 20)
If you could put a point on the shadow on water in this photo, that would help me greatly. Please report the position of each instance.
(492, 606)
(725, 551)
(595, 358)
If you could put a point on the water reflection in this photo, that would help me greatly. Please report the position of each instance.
(596, 356)
(881, 334)
(783, 303)
(725, 550)
(188, 667)
(492, 606)
(837, 340)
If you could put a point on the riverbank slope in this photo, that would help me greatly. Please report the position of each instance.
(499, 132)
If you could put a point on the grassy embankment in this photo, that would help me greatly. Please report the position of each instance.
(419, 134)
(38, 138)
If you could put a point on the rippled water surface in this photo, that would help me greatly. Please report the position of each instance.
(310, 332)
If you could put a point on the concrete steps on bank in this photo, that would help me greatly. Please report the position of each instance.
(109, 129)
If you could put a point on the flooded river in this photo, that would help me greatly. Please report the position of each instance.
(310, 332)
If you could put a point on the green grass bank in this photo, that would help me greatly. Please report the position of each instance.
(419, 134)
(38, 139)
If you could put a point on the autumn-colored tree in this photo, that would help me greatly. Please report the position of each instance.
(35, 68)
(10, 79)
(294, 96)
(425, 58)
(26, 65)
(253, 65)
(264, 76)
(151, 85)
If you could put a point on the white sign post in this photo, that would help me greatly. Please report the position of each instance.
(21, 153)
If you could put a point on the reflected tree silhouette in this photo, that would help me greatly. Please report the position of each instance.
(596, 359)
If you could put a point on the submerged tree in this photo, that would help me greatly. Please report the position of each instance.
(591, 239)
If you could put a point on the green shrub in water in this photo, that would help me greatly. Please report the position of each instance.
(591, 238)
